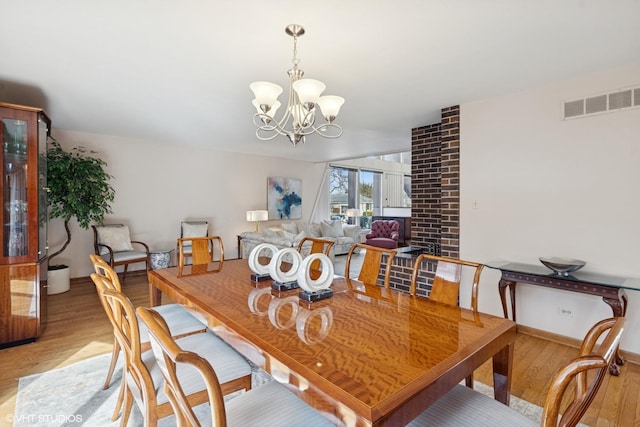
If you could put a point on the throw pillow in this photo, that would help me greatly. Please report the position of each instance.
(301, 235)
(290, 227)
(194, 230)
(273, 232)
(332, 228)
(311, 230)
(351, 231)
(117, 238)
(288, 235)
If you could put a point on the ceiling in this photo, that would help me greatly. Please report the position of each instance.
(179, 71)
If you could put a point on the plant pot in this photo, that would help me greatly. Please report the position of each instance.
(58, 281)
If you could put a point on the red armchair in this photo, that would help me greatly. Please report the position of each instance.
(384, 234)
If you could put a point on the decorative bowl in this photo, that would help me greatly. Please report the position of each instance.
(562, 266)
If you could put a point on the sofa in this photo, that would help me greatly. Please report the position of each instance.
(289, 234)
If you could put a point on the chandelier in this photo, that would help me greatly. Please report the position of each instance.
(299, 119)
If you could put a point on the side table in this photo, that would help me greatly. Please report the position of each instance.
(610, 288)
(160, 258)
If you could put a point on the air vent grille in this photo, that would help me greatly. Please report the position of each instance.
(602, 103)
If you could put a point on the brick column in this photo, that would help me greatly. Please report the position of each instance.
(450, 182)
(435, 185)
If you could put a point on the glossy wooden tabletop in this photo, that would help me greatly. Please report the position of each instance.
(366, 356)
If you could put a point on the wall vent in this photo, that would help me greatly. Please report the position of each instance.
(602, 103)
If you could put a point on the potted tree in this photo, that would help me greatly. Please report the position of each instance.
(78, 187)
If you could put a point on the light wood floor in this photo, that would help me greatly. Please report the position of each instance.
(78, 329)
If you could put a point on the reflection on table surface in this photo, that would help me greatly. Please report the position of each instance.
(367, 355)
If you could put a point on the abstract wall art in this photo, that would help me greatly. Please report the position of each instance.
(284, 198)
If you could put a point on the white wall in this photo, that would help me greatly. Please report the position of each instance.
(158, 185)
(549, 187)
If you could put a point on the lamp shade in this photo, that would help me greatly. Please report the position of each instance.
(308, 90)
(266, 93)
(330, 106)
(271, 112)
(351, 213)
(257, 215)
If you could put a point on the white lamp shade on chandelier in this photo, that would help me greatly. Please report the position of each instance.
(299, 117)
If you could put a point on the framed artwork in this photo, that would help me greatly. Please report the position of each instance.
(284, 198)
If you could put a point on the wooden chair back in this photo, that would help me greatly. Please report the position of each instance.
(203, 251)
(445, 287)
(111, 281)
(374, 258)
(168, 354)
(104, 270)
(589, 364)
(121, 314)
(318, 246)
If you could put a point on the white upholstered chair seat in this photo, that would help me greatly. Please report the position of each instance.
(124, 256)
(180, 321)
(270, 404)
(228, 364)
(464, 407)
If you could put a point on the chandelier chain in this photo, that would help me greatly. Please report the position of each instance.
(295, 59)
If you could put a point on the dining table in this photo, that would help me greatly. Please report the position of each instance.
(366, 356)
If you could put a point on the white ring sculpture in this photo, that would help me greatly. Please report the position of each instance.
(326, 276)
(275, 265)
(254, 299)
(278, 304)
(306, 317)
(254, 264)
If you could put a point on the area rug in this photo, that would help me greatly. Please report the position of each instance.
(73, 396)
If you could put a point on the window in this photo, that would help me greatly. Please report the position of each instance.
(406, 192)
(342, 191)
(370, 184)
(370, 196)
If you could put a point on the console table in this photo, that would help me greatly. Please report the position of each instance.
(610, 288)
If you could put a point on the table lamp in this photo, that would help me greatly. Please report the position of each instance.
(257, 216)
(353, 213)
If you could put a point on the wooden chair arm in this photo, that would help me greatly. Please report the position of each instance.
(146, 247)
(99, 245)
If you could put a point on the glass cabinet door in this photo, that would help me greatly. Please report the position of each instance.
(15, 219)
(43, 212)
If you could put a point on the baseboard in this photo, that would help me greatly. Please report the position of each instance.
(572, 342)
(86, 279)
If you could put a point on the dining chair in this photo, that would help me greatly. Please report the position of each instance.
(315, 246)
(271, 404)
(181, 322)
(318, 246)
(445, 287)
(142, 378)
(113, 243)
(193, 228)
(463, 406)
(202, 251)
(374, 258)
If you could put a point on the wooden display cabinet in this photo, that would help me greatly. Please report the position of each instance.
(24, 133)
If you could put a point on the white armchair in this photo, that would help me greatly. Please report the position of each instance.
(113, 243)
